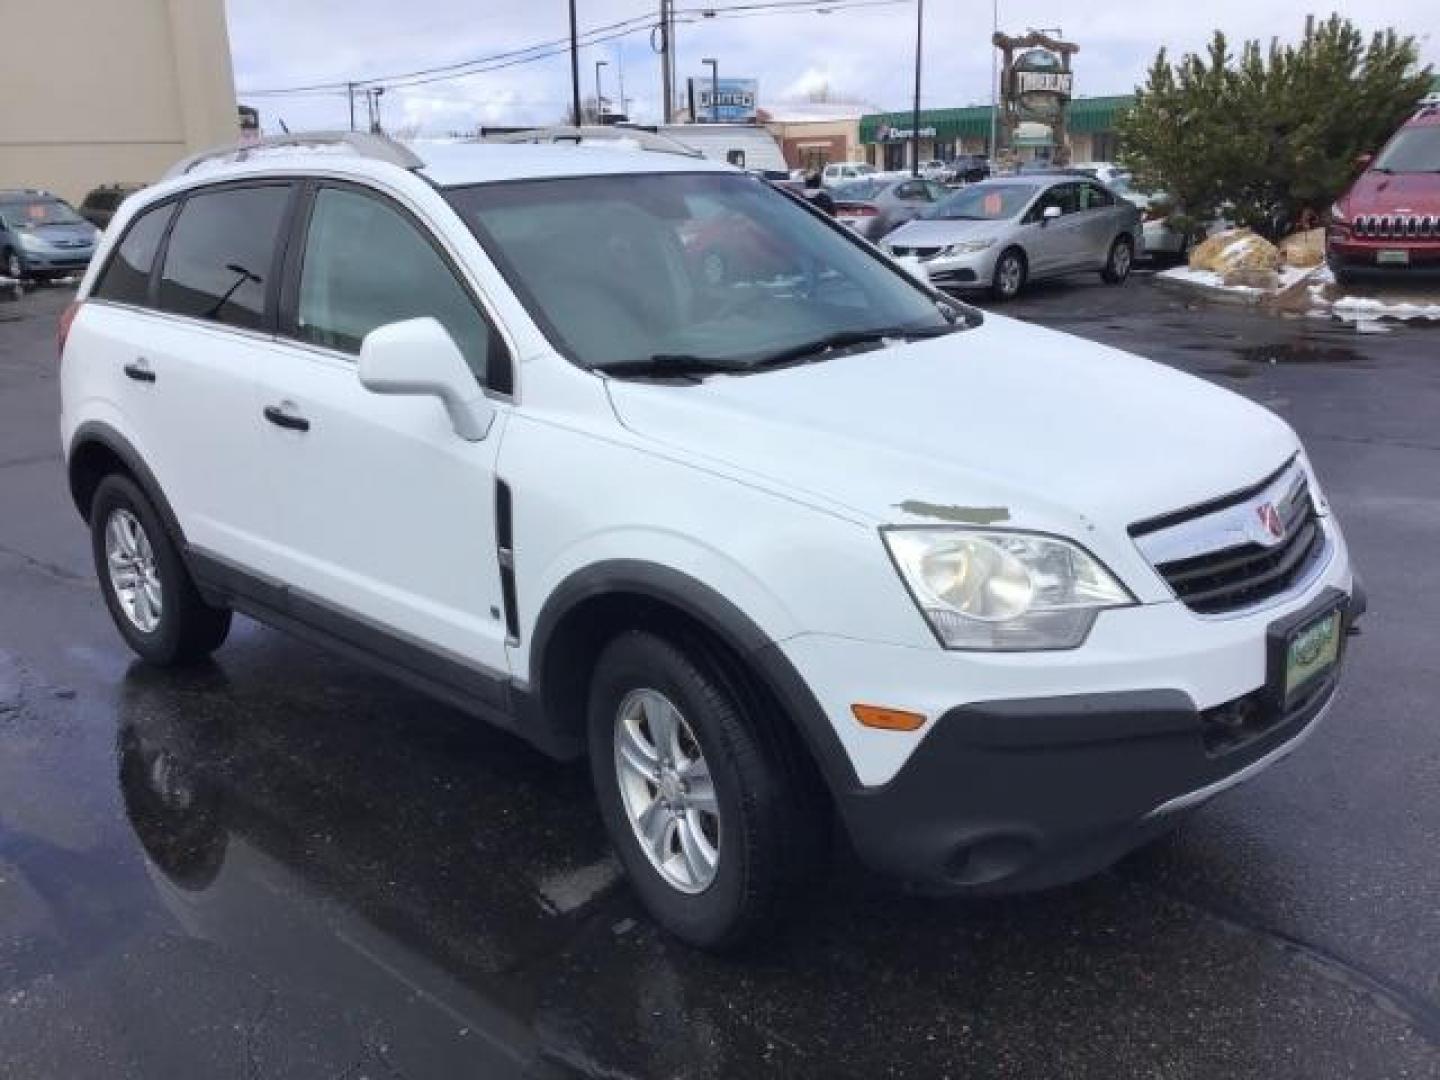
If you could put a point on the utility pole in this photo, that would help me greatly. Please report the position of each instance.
(915, 113)
(574, 66)
(350, 92)
(667, 77)
(620, 70)
(599, 98)
(994, 75)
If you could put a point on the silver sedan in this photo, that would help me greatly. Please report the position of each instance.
(1000, 234)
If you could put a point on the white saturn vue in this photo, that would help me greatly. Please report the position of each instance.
(812, 553)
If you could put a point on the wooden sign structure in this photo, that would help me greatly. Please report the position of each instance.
(1036, 86)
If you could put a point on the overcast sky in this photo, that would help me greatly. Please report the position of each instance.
(863, 53)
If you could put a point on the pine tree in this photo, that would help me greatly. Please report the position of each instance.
(1271, 136)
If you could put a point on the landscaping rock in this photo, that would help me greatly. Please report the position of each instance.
(1252, 277)
(1235, 249)
(1304, 248)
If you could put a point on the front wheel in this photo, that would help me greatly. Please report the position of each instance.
(151, 598)
(14, 267)
(1009, 276)
(718, 826)
(1120, 261)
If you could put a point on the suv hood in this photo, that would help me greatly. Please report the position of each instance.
(1386, 193)
(1003, 422)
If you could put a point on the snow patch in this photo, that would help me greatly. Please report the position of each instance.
(1289, 275)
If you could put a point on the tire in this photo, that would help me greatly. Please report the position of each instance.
(1011, 270)
(181, 628)
(11, 265)
(768, 829)
(1120, 261)
(1338, 271)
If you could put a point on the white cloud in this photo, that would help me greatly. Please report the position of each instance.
(861, 53)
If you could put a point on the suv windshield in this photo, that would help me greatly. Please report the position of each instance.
(984, 202)
(692, 271)
(39, 212)
(1412, 150)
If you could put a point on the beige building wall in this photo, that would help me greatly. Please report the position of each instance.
(102, 91)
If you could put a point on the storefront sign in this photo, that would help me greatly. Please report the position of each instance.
(1040, 86)
(895, 134)
(735, 103)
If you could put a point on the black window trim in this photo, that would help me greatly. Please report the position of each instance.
(277, 257)
(114, 254)
(499, 369)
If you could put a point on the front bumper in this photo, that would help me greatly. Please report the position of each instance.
(973, 270)
(1362, 257)
(59, 261)
(1053, 770)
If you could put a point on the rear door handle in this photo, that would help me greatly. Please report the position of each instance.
(140, 371)
(284, 416)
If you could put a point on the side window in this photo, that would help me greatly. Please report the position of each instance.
(127, 276)
(1093, 196)
(217, 264)
(911, 191)
(366, 264)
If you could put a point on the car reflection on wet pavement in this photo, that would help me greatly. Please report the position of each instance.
(280, 864)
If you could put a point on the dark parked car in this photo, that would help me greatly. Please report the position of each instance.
(878, 205)
(970, 168)
(100, 205)
(41, 236)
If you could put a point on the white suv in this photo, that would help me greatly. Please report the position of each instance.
(798, 542)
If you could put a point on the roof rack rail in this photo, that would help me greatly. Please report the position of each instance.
(361, 143)
(644, 138)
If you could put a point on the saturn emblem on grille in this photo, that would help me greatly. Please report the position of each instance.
(1272, 527)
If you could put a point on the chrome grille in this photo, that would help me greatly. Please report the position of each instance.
(1396, 226)
(1220, 557)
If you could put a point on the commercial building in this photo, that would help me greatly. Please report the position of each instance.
(947, 133)
(811, 135)
(111, 90)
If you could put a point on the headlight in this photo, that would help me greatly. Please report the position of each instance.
(992, 589)
(31, 242)
(967, 247)
(1337, 215)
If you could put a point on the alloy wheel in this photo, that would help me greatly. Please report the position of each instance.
(667, 790)
(1120, 259)
(134, 577)
(1010, 274)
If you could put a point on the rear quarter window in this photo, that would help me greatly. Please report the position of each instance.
(126, 278)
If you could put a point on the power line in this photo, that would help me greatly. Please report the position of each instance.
(546, 49)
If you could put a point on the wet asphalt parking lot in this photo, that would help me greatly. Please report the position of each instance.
(281, 865)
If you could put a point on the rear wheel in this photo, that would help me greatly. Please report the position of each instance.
(1009, 276)
(149, 592)
(716, 820)
(1120, 261)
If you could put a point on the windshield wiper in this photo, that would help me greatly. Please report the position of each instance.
(844, 338)
(678, 365)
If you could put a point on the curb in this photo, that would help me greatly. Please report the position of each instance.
(1218, 294)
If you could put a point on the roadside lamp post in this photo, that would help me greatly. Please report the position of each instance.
(915, 113)
(714, 90)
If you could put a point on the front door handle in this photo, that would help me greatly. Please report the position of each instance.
(284, 416)
(140, 371)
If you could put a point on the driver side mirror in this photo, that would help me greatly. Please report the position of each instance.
(1049, 214)
(418, 356)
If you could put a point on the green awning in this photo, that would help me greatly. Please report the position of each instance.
(1087, 115)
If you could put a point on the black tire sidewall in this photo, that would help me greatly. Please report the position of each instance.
(995, 288)
(639, 660)
(1110, 273)
(164, 644)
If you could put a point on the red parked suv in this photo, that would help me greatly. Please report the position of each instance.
(1389, 221)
